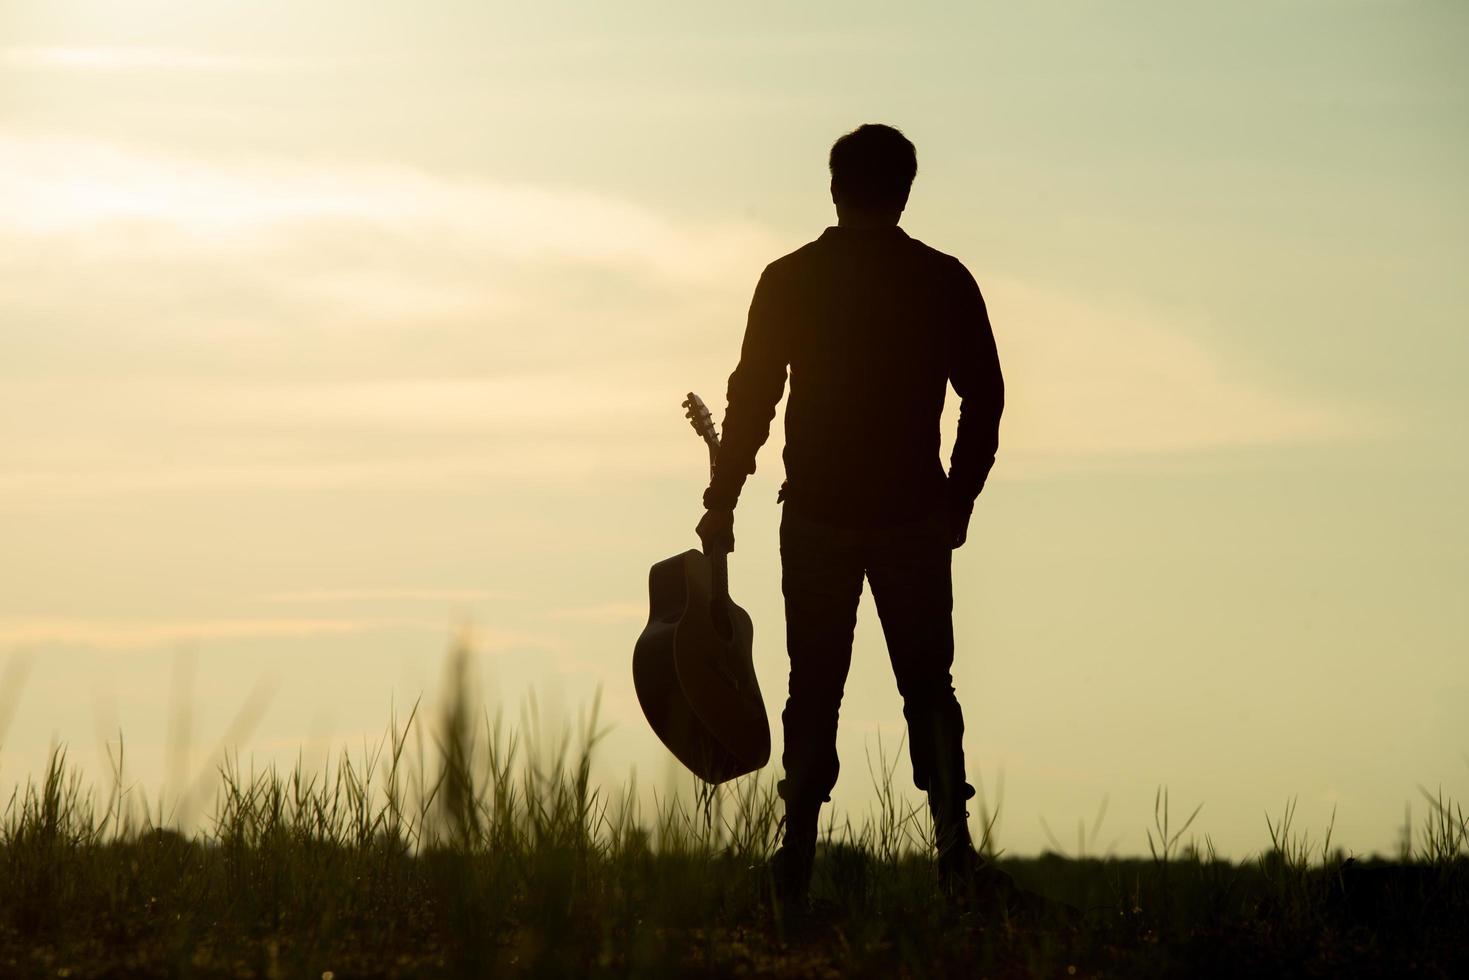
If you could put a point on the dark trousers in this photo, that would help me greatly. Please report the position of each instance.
(908, 566)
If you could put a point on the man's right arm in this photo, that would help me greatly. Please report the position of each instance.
(755, 388)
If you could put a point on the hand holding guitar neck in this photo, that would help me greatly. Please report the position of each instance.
(716, 527)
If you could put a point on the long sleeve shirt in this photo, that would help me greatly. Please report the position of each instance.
(872, 326)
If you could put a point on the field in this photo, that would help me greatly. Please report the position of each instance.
(468, 858)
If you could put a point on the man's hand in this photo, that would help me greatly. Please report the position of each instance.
(959, 513)
(716, 531)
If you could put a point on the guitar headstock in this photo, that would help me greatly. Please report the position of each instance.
(698, 415)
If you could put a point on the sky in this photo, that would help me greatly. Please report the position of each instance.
(329, 333)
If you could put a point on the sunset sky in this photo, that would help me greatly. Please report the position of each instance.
(329, 329)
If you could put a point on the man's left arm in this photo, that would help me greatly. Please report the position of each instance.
(974, 371)
(755, 389)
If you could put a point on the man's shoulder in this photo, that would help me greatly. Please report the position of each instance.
(949, 270)
(793, 259)
(941, 260)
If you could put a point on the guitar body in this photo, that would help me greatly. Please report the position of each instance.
(695, 674)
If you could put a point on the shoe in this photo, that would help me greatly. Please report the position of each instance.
(967, 877)
(972, 884)
(791, 864)
(790, 874)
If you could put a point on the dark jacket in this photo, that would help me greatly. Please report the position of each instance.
(873, 325)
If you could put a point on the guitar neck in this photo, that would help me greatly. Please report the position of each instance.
(718, 563)
(719, 577)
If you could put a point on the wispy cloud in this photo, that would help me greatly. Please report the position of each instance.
(143, 634)
(602, 613)
(390, 594)
(1091, 382)
(282, 277)
(78, 58)
(102, 190)
(122, 635)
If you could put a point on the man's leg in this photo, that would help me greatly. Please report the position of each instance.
(821, 578)
(910, 571)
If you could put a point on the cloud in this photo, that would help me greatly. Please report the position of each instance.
(1087, 382)
(604, 613)
(123, 198)
(276, 325)
(143, 634)
(76, 58)
(165, 436)
(390, 594)
(243, 322)
(271, 271)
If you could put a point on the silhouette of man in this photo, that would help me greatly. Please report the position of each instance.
(873, 326)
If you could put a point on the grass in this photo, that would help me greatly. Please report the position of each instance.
(458, 848)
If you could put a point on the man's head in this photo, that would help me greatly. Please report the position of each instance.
(872, 169)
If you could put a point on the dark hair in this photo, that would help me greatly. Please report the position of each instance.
(873, 167)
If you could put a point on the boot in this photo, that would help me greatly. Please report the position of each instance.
(965, 877)
(790, 866)
(937, 730)
(967, 880)
(972, 884)
(962, 871)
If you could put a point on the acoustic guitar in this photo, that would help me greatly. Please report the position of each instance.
(692, 665)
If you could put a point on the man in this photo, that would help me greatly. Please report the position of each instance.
(873, 326)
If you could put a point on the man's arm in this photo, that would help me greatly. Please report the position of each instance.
(755, 388)
(974, 370)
